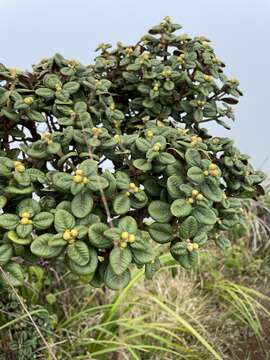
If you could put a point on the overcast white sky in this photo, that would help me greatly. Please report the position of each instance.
(239, 30)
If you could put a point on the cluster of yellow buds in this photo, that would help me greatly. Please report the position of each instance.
(72, 63)
(96, 131)
(196, 194)
(149, 134)
(126, 238)
(213, 170)
(25, 218)
(233, 81)
(79, 177)
(133, 188)
(195, 140)
(14, 72)
(47, 137)
(181, 59)
(192, 246)
(118, 138)
(183, 38)
(19, 166)
(200, 103)
(70, 235)
(28, 100)
(167, 72)
(156, 86)
(144, 57)
(128, 50)
(216, 61)
(207, 78)
(58, 86)
(157, 147)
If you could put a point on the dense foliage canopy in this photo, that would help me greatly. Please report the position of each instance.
(100, 163)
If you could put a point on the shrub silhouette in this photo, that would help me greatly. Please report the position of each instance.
(100, 162)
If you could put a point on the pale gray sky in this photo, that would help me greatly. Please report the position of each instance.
(239, 30)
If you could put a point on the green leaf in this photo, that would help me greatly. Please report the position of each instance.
(114, 281)
(78, 253)
(9, 221)
(223, 243)
(87, 269)
(53, 148)
(173, 186)
(161, 233)
(63, 220)
(142, 251)
(128, 224)
(13, 236)
(71, 87)
(181, 208)
(168, 85)
(188, 228)
(35, 116)
(96, 236)
(211, 190)
(193, 157)
(24, 230)
(6, 253)
(142, 144)
(40, 247)
(178, 249)
(166, 158)
(120, 259)
(3, 201)
(43, 220)
(82, 204)
(204, 215)
(45, 93)
(196, 174)
(121, 204)
(142, 164)
(160, 211)
(62, 180)
(13, 274)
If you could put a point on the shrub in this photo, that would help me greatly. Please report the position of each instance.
(100, 162)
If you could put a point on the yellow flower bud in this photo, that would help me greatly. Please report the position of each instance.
(20, 168)
(190, 247)
(74, 233)
(157, 147)
(136, 189)
(207, 78)
(24, 221)
(100, 258)
(79, 172)
(199, 197)
(195, 246)
(124, 235)
(190, 200)
(28, 100)
(58, 87)
(194, 193)
(77, 178)
(131, 238)
(127, 193)
(214, 173)
(149, 134)
(205, 173)
(25, 214)
(212, 166)
(67, 235)
(123, 244)
(132, 185)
